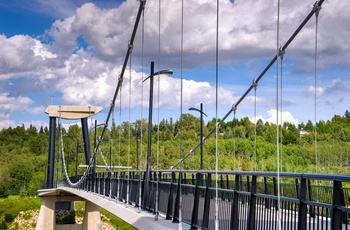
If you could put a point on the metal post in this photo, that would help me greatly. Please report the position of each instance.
(86, 139)
(302, 211)
(148, 164)
(201, 135)
(51, 157)
(201, 131)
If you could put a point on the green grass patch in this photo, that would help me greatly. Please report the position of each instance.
(117, 222)
(11, 206)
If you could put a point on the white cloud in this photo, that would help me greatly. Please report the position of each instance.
(8, 103)
(7, 123)
(319, 90)
(88, 73)
(282, 117)
(41, 51)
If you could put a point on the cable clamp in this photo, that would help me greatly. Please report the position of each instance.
(255, 83)
(130, 46)
(281, 52)
(316, 9)
(234, 108)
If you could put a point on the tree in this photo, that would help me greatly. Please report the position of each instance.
(347, 114)
(21, 171)
(4, 182)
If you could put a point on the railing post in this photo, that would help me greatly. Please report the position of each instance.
(297, 187)
(194, 217)
(266, 190)
(170, 199)
(302, 216)
(234, 209)
(312, 208)
(338, 197)
(158, 175)
(205, 222)
(252, 207)
(275, 192)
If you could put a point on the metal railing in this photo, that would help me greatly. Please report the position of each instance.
(246, 200)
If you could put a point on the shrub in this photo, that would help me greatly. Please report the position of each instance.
(65, 217)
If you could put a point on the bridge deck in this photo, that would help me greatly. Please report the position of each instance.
(130, 214)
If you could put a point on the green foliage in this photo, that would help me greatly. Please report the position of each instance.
(21, 172)
(117, 222)
(65, 216)
(11, 206)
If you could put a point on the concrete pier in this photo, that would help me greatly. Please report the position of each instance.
(47, 216)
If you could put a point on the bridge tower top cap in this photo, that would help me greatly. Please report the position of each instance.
(72, 112)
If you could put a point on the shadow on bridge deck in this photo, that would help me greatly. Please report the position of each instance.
(128, 213)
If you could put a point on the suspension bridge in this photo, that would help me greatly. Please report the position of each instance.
(188, 199)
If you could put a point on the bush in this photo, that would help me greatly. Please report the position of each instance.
(9, 217)
(4, 190)
(65, 217)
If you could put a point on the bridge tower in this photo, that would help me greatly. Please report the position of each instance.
(68, 113)
(53, 199)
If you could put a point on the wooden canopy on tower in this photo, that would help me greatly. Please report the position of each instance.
(72, 112)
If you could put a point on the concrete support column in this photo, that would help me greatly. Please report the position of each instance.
(92, 218)
(47, 217)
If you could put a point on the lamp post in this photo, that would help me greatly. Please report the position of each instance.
(201, 129)
(148, 165)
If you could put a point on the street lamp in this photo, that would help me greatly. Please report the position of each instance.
(169, 72)
(201, 129)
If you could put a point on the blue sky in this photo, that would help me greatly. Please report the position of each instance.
(71, 53)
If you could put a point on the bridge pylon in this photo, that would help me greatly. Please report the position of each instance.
(54, 200)
(68, 113)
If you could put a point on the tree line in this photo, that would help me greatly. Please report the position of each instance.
(323, 147)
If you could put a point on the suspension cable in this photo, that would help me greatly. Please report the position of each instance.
(281, 55)
(262, 74)
(316, 9)
(158, 109)
(255, 84)
(141, 119)
(181, 115)
(64, 161)
(119, 141)
(234, 138)
(277, 120)
(216, 119)
(121, 76)
(129, 133)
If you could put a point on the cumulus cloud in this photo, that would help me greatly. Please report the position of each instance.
(334, 87)
(11, 105)
(274, 116)
(80, 56)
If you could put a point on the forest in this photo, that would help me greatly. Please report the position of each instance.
(323, 148)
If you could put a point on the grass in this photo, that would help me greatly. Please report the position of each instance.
(10, 207)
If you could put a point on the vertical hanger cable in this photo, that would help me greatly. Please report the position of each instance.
(216, 117)
(277, 120)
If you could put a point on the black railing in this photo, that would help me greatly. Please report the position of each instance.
(245, 200)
